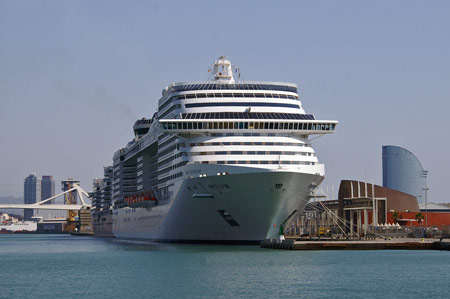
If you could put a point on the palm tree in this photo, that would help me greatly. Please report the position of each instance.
(396, 216)
(419, 217)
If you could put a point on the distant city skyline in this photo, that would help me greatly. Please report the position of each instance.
(76, 75)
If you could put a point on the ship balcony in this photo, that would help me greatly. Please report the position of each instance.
(129, 180)
(133, 172)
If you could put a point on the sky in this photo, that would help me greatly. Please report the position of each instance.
(75, 75)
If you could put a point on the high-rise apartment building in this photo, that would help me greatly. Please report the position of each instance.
(47, 188)
(31, 194)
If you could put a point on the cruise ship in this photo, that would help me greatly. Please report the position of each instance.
(221, 161)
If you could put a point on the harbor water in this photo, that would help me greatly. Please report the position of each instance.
(62, 266)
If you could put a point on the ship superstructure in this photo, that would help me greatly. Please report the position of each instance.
(101, 211)
(221, 161)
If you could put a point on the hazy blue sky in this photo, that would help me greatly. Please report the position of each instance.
(74, 76)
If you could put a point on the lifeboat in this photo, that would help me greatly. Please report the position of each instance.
(141, 199)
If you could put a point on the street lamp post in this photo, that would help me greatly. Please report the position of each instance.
(426, 207)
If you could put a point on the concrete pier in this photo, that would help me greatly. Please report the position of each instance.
(377, 244)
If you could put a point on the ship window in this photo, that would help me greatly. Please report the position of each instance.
(251, 125)
(220, 125)
(227, 95)
(248, 95)
(275, 96)
(190, 126)
(201, 95)
(246, 125)
(271, 126)
(259, 95)
(295, 126)
(286, 126)
(210, 95)
(190, 96)
(195, 126)
(238, 95)
(184, 126)
(241, 125)
(276, 126)
(309, 126)
(225, 126)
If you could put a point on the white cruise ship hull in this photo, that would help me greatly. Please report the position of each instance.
(233, 208)
(219, 162)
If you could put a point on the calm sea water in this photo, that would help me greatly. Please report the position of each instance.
(61, 266)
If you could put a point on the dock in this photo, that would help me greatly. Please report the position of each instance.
(376, 244)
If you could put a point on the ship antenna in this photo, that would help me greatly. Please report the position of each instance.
(238, 70)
